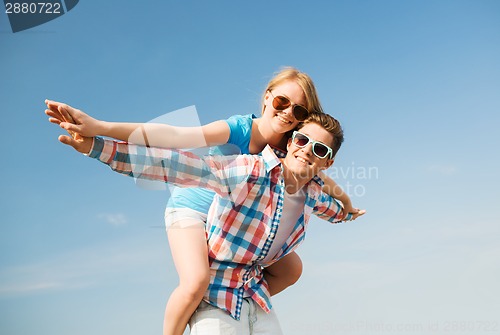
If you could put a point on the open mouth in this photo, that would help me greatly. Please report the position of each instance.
(283, 120)
(303, 160)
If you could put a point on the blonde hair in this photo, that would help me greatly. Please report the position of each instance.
(303, 80)
(330, 124)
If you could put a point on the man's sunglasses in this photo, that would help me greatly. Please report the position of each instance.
(321, 150)
(281, 103)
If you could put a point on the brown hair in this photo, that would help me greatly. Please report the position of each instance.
(330, 124)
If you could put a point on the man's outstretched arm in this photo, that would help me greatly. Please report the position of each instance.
(217, 173)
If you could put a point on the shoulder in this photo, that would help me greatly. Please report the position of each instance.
(240, 131)
(241, 120)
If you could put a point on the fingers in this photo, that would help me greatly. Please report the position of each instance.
(66, 114)
(69, 121)
(54, 114)
(54, 120)
(68, 141)
(70, 127)
(355, 213)
(59, 120)
(60, 114)
(82, 145)
(60, 111)
(52, 105)
(358, 214)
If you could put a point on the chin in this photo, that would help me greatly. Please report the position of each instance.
(280, 125)
(284, 127)
(303, 173)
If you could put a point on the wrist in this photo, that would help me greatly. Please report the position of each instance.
(103, 128)
(87, 146)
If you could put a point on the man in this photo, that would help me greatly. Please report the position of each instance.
(259, 214)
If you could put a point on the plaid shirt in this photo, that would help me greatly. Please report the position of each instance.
(243, 219)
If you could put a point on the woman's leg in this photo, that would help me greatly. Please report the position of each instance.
(283, 273)
(188, 245)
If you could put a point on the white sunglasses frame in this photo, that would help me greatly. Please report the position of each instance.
(313, 142)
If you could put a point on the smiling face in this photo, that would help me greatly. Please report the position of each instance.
(282, 121)
(302, 162)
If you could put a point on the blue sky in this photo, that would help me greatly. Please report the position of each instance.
(415, 84)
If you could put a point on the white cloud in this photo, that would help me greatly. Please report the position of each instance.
(115, 219)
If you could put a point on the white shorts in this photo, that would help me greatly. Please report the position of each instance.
(184, 218)
(210, 320)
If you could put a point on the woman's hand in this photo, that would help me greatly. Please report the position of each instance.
(73, 120)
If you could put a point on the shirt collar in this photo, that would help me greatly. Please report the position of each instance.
(270, 158)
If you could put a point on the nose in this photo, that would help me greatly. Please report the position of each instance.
(308, 149)
(291, 115)
(287, 111)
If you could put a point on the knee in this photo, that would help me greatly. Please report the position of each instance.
(195, 286)
(294, 271)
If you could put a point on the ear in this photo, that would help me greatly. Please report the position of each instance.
(288, 144)
(267, 95)
(329, 162)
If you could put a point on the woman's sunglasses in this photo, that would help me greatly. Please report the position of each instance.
(321, 150)
(281, 103)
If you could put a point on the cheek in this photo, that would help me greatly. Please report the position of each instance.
(322, 165)
(268, 101)
(268, 109)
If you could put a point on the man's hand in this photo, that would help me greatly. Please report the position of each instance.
(354, 212)
(73, 120)
(83, 145)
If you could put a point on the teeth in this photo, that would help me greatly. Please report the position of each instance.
(283, 119)
(300, 159)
